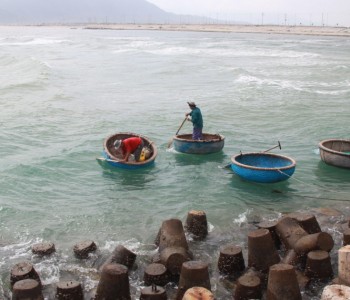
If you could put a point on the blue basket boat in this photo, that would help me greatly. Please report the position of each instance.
(263, 167)
(110, 157)
(210, 143)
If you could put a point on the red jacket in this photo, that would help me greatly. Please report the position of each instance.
(131, 144)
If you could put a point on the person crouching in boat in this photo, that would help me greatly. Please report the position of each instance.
(126, 147)
(195, 116)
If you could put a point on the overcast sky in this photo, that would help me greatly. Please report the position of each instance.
(331, 12)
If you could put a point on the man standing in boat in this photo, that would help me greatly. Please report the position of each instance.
(132, 145)
(195, 116)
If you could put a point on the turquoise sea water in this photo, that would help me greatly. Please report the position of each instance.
(63, 90)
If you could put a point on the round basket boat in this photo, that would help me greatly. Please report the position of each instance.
(111, 158)
(335, 152)
(263, 167)
(210, 143)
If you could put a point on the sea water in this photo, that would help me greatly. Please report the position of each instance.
(64, 90)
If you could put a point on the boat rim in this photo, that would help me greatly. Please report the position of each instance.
(117, 160)
(219, 139)
(234, 161)
(324, 148)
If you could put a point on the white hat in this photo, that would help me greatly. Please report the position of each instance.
(117, 144)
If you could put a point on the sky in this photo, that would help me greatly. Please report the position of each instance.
(288, 12)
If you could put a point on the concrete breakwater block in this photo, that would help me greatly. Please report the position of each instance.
(289, 232)
(318, 265)
(231, 260)
(172, 234)
(82, 249)
(196, 223)
(123, 256)
(114, 283)
(316, 241)
(307, 221)
(70, 289)
(23, 270)
(336, 292)
(248, 287)
(271, 226)
(153, 292)
(193, 273)
(198, 293)
(282, 283)
(27, 289)
(262, 252)
(45, 248)
(173, 259)
(156, 274)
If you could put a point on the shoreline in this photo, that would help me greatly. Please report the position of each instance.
(225, 28)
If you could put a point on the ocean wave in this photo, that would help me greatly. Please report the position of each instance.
(29, 71)
(330, 88)
(31, 41)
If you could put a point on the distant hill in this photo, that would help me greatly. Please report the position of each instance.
(86, 11)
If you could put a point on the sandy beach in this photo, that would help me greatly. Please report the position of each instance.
(270, 29)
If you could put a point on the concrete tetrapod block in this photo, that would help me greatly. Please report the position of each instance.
(336, 292)
(282, 283)
(45, 248)
(198, 293)
(307, 221)
(315, 241)
(193, 273)
(248, 287)
(27, 289)
(271, 226)
(346, 237)
(173, 258)
(23, 270)
(114, 283)
(123, 256)
(344, 265)
(289, 231)
(318, 265)
(156, 274)
(70, 289)
(231, 260)
(172, 234)
(196, 223)
(153, 292)
(82, 249)
(262, 252)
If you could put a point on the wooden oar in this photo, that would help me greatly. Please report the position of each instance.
(171, 141)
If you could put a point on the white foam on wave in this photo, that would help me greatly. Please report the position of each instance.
(33, 41)
(242, 218)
